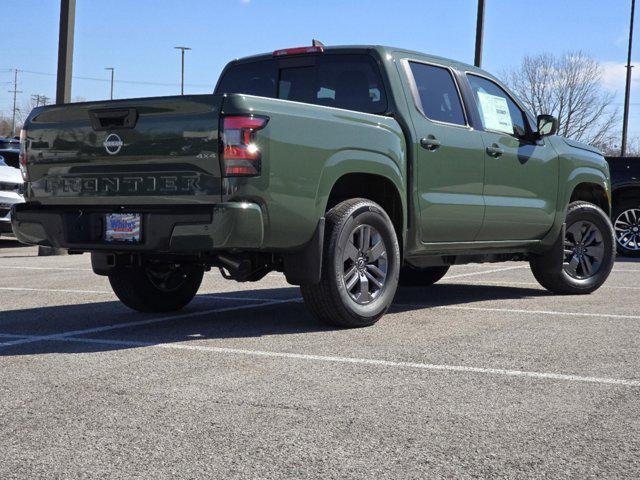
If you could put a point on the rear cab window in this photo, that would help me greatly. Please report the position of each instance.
(347, 81)
(253, 78)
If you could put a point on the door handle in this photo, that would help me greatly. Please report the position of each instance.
(430, 143)
(495, 151)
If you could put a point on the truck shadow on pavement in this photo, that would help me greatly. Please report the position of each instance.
(620, 259)
(106, 320)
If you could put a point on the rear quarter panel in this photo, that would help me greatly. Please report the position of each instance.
(306, 149)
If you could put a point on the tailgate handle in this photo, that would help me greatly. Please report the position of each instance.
(108, 119)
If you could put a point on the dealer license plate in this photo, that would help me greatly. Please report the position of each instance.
(123, 228)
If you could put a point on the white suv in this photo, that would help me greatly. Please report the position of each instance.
(11, 186)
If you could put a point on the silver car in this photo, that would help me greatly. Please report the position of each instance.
(11, 188)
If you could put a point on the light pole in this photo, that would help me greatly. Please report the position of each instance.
(112, 74)
(182, 49)
(479, 34)
(65, 51)
(627, 91)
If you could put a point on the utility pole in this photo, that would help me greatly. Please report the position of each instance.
(479, 34)
(65, 50)
(15, 92)
(112, 74)
(627, 91)
(182, 81)
(40, 99)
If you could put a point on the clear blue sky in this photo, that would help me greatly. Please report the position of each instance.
(137, 37)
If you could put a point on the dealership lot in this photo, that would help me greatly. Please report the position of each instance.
(484, 374)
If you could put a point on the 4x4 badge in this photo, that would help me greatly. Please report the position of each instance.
(113, 144)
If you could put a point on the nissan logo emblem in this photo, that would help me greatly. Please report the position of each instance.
(113, 144)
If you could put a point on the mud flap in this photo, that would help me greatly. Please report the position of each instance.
(304, 267)
(553, 258)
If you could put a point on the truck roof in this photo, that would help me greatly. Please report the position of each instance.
(383, 50)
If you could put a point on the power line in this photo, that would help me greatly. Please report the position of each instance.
(131, 82)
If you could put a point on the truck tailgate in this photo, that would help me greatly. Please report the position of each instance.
(126, 152)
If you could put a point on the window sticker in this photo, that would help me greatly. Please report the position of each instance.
(495, 113)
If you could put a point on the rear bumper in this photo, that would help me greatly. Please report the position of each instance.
(164, 229)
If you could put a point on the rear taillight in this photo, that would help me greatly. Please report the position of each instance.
(240, 153)
(22, 158)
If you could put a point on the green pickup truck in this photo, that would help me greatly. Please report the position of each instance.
(349, 169)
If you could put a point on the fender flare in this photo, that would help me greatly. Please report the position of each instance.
(577, 176)
(364, 162)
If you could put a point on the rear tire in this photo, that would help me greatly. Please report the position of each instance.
(580, 261)
(626, 223)
(421, 277)
(157, 287)
(360, 266)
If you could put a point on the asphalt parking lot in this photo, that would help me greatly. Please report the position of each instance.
(483, 375)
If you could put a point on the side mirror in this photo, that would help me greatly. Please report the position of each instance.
(547, 125)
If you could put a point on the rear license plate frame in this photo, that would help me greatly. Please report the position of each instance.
(123, 228)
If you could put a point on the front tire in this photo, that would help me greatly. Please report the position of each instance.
(626, 222)
(157, 287)
(361, 265)
(580, 261)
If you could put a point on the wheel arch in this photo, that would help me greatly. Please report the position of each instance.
(584, 183)
(593, 193)
(375, 187)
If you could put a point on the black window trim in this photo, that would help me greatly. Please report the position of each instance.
(517, 103)
(417, 102)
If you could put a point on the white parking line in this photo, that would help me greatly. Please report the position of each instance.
(9, 335)
(53, 290)
(214, 295)
(15, 267)
(495, 270)
(509, 283)
(138, 323)
(364, 361)
(515, 310)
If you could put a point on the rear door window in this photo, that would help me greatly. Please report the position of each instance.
(437, 95)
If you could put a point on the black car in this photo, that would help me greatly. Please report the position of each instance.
(625, 186)
(9, 143)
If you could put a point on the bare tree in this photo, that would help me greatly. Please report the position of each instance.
(24, 110)
(633, 147)
(5, 126)
(570, 88)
